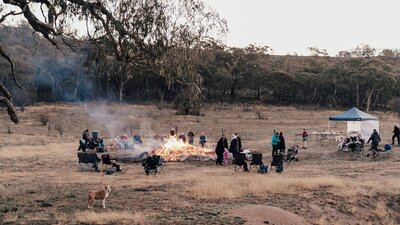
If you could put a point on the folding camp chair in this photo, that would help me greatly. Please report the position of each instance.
(277, 161)
(106, 162)
(240, 161)
(153, 164)
(256, 160)
(85, 158)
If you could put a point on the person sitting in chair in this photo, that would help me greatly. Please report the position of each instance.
(86, 136)
(102, 146)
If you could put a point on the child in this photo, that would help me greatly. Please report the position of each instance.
(226, 154)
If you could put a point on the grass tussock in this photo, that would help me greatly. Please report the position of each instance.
(107, 217)
(226, 187)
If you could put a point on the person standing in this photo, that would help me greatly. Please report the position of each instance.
(226, 156)
(222, 144)
(375, 139)
(275, 143)
(182, 137)
(305, 138)
(190, 135)
(172, 133)
(203, 139)
(396, 134)
(239, 142)
(282, 146)
(234, 146)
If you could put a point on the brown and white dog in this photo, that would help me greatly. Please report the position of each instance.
(101, 194)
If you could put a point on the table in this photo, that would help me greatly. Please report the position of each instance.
(318, 135)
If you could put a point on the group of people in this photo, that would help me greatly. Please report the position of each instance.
(124, 142)
(98, 145)
(190, 137)
(278, 143)
(222, 149)
(92, 142)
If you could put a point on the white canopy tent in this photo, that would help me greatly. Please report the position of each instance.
(358, 121)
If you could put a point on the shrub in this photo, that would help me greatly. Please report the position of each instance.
(44, 119)
(260, 115)
(59, 128)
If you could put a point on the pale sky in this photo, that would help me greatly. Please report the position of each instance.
(289, 26)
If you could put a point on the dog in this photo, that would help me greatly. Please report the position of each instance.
(100, 194)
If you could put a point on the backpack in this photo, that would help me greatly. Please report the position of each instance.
(279, 168)
(263, 169)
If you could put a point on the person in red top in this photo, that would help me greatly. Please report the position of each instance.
(305, 138)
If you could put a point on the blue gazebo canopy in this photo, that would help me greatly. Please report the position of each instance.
(353, 114)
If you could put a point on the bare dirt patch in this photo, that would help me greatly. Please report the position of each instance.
(261, 214)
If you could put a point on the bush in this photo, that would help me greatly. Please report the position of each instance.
(260, 115)
(44, 119)
(59, 128)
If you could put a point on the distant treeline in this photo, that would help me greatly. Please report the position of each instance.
(362, 77)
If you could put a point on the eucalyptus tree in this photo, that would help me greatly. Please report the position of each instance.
(137, 32)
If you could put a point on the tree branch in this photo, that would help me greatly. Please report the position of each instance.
(3, 53)
(10, 109)
(12, 13)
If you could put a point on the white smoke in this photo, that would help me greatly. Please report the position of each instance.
(115, 120)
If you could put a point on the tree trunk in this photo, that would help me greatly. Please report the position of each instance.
(369, 96)
(357, 97)
(334, 96)
(121, 88)
(315, 92)
(232, 94)
(258, 94)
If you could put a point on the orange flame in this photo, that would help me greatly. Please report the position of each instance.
(177, 150)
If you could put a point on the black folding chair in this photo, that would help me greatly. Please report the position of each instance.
(277, 161)
(153, 164)
(256, 160)
(240, 161)
(85, 158)
(106, 162)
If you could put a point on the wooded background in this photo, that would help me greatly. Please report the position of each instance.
(168, 53)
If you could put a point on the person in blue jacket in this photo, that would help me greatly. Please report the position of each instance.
(275, 143)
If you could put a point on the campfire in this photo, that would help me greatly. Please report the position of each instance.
(177, 150)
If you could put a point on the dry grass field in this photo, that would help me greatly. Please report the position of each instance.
(41, 184)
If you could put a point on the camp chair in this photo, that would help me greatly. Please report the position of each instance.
(291, 154)
(137, 139)
(82, 145)
(106, 162)
(256, 160)
(85, 158)
(152, 165)
(277, 161)
(240, 161)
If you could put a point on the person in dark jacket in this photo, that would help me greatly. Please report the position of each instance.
(375, 139)
(191, 135)
(203, 139)
(222, 144)
(86, 136)
(234, 146)
(239, 142)
(281, 145)
(234, 149)
(396, 134)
